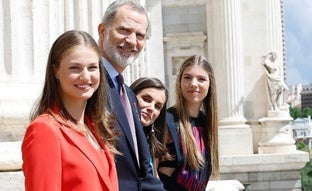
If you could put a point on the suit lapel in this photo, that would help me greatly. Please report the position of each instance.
(89, 151)
(116, 107)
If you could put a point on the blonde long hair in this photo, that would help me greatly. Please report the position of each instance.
(209, 106)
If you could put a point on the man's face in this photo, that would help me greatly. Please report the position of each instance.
(123, 40)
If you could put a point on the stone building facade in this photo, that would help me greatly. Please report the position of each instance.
(256, 146)
(294, 96)
(306, 96)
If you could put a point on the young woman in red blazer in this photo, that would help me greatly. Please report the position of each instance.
(70, 142)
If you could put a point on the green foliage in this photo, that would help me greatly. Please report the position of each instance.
(307, 112)
(302, 147)
(300, 113)
(295, 113)
(306, 176)
(306, 172)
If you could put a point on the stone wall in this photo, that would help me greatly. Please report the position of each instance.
(11, 176)
(274, 172)
(234, 35)
(270, 180)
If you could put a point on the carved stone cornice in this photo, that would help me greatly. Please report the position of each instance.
(185, 37)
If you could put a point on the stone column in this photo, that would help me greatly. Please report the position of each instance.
(275, 38)
(276, 130)
(41, 15)
(21, 40)
(155, 66)
(274, 28)
(27, 30)
(2, 63)
(226, 48)
(18, 66)
(68, 14)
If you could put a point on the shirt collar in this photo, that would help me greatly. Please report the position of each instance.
(112, 72)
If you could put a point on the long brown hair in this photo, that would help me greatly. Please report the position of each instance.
(209, 106)
(96, 105)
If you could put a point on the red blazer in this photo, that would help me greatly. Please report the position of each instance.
(59, 158)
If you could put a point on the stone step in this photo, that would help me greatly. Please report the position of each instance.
(11, 156)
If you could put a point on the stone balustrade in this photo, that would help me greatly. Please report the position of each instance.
(12, 178)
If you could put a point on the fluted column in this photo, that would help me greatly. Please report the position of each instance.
(276, 127)
(228, 63)
(69, 14)
(40, 38)
(2, 65)
(27, 30)
(155, 66)
(274, 28)
(275, 40)
(21, 40)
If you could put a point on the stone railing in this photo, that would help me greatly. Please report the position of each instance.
(12, 178)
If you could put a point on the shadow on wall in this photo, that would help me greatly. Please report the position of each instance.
(255, 107)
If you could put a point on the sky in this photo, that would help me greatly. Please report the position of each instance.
(298, 32)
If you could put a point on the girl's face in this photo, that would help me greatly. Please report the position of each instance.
(151, 101)
(194, 84)
(78, 74)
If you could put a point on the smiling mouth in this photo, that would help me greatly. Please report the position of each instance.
(84, 87)
(193, 92)
(128, 50)
(146, 116)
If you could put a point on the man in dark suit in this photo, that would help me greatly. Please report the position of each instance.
(122, 34)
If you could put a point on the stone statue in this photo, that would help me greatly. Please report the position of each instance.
(276, 87)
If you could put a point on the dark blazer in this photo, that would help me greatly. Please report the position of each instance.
(131, 176)
(172, 124)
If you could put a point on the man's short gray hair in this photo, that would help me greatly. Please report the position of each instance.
(114, 7)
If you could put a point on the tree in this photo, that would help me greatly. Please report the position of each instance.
(295, 113)
(300, 113)
(307, 111)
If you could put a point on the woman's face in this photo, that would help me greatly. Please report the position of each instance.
(151, 101)
(78, 74)
(194, 84)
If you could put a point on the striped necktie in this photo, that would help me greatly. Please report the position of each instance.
(127, 108)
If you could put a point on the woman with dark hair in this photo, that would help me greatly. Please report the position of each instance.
(70, 142)
(152, 96)
(192, 134)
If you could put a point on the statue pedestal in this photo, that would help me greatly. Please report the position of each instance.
(276, 134)
(233, 134)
